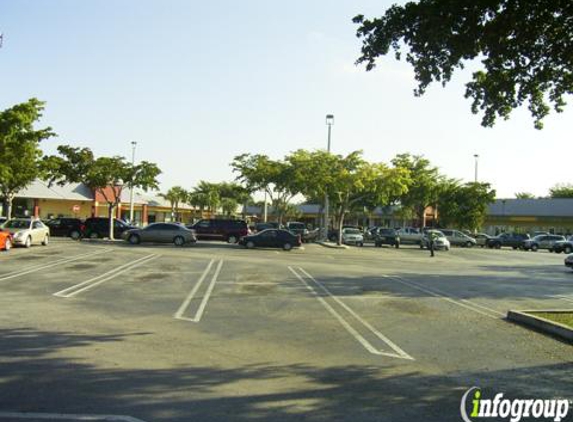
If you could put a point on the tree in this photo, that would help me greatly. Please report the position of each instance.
(524, 195)
(424, 184)
(175, 195)
(347, 181)
(561, 191)
(275, 177)
(464, 206)
(524, 47)
(20, 155)
(208, 194)
(105, 175)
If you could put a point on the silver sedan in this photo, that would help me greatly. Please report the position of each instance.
(27, 232)
(174, 233)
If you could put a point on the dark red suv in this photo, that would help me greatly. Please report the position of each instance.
(218, 229)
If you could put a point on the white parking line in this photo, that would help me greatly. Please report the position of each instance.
(365, 343)
(96, 281)
(565, 298)
(203, 304)
(37, 268)
(464, 303)
(64, 416)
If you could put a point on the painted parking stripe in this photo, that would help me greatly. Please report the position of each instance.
(203, 304)
(37, 268)
(67, 416)
(464, 303)
(96, 281)
(364, 342)
(565, 298)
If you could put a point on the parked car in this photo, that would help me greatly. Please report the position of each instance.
(386, 237)
(67, 227)
(482, 239)
(457, 238)
(311, 236)
(297, 228)
(440, 240)
(410, 235)
(333, 233)
(351, 236)
(98, 227)
(543, 241)
(27, 231)
(563, 246)
(569, 261)
(271, 238)
(6, 240)
(513, 240)
(220, 229)
(174, 233)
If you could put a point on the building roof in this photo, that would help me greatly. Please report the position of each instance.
(543, 207)
(72, 191)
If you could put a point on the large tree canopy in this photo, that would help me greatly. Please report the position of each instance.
(525, 47)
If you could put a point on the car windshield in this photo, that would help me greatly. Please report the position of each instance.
(17, 224)
(296, 226)
(351, 231)
(538, 237)
(386, 231)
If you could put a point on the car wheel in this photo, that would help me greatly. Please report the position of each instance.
(377, 245)
(75, 234)
(497, 246)
(287, 246)
(397, 245)
(179, 241)
(514, 248)
(447, 248)
(28, 242)
(232, 239)
(534, 247)
(469, 245)
(567, 249)
(250, 244)
(8, 245)
(134, 239)
(93, 235)
(45, 241)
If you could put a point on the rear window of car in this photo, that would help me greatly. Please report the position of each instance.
(17, 224)
(387, 232)
(296, 226)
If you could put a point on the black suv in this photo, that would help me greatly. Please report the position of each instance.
(386, 237)
(98, 227)
(513, 240)
(218, 229)
(67, 227)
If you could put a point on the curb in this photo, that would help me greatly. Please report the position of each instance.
(541, 324)
(332, 245)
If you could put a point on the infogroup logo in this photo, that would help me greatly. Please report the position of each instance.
(513, 410)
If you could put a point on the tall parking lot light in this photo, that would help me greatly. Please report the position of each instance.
(329, 123)
(476, 156)
(133, 145)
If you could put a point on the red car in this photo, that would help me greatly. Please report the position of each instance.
(6, 241)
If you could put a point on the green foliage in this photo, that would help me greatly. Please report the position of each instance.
(524, 48)
(225, 195)
(275, 177)
(349, 182)
(424, 186)
(20, 154)
(561, 191)
(464, 206)
(105, 175)
(176, 195)
(524, 195)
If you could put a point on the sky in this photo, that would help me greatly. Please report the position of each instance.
(196, 83)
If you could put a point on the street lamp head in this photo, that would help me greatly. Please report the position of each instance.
(330, 119)
(118, 183)
(134, 143)
(476, 155)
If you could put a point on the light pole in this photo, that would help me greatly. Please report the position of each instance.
(329, 123)
(133, 145)
(476, 168)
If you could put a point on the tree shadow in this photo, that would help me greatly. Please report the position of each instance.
(35, 377)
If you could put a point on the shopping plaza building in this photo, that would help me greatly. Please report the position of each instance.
(76, 200)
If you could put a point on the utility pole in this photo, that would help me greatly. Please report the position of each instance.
(476, 156)
(133, 145)
(329, 123)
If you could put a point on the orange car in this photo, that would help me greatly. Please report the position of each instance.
(6, 241)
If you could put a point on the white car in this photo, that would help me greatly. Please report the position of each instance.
(352, 237)
(569, 261)
(27, 232)
(440, 240)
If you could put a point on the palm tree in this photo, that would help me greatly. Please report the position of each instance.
(175, 196)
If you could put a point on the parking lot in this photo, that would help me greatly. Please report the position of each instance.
(215, 332)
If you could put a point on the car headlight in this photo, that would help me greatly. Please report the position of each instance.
(18, 235)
